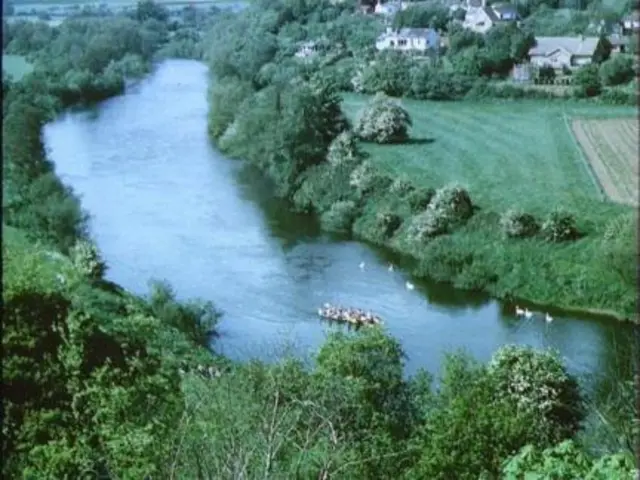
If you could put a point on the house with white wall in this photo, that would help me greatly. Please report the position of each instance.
(409, 39)
(560, 52)
(481, 17)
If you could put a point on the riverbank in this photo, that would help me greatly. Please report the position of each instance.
(585, 275)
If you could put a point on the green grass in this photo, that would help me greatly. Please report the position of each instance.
(16, 66)
(518, 153)
(510, 154)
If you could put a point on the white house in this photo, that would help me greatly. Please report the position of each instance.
(409, 39)
(559, 52)
(388, 9)
(307, 49)
(631, 23)
(480, 17)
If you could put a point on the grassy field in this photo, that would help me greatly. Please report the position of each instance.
(517, 153)
(611, 147)
(16, 66)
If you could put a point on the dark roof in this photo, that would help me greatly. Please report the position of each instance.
(503, 8)
(491, 14)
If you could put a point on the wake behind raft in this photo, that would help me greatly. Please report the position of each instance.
(354, 316)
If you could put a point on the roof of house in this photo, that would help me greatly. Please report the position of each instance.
(505, 8)
(573, 45)
(408, 33)
(617, 39)
(491, 14)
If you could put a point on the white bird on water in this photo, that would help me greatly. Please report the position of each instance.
(410, 286)
(390, 268)
(361, 265)
(519, 311)
(548, 318)
(527, 313)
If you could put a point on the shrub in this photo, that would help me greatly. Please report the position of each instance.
(344, 150)
(86, 258)
(560, 226)
(383, 121)
(587, 81)
(365, 178)
(340, 217)
(449, 206)
(617, 70)
(546, 73)
(470, 429)
(401, 186)
(566, 461)
(517, 224)
(419, 199)
(387, 224)
(541, 387)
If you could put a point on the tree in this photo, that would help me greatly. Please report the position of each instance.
(147, 9)
(587, 81)
(546, 74)
(390, 73)
(538, 383)
(383, 120)
(617, 70)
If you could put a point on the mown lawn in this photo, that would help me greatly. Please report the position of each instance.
(517, 153)
(16, 66)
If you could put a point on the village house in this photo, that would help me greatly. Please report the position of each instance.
(619, 43)
(481, 17)
(409, 39)
(559, 52)
(631, 23)
(307, 49)
(388, 9)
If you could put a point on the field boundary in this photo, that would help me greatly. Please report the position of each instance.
(585, 161)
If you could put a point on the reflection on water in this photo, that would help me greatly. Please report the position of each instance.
(166, 204)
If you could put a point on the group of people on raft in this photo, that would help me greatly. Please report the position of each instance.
(355, 316)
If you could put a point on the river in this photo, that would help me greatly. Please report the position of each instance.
(165, 204)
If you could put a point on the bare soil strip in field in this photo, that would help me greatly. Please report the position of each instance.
(611, 148)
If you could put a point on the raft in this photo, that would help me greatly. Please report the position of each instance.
(354, 316)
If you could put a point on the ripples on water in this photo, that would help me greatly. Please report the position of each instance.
(165, 204)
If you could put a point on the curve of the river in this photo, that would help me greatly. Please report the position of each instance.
(165, 204)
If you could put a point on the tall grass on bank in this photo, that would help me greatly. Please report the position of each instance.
(512, 155)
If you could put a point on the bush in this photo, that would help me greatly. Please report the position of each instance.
(471, 429)
(587, 81)
(516, 224)
(401, 186)
(449, 207)
(387, 224)
(340, 217)
(344, 150)
(546, 73)
(383, 121)
(566, 461)
(86, 258)
(617, 70)
(366, 178)
(419, 199)
(541, 387)
(560, 226)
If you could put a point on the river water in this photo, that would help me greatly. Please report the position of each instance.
(165, 204)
